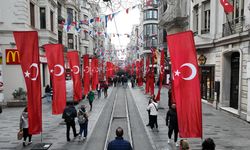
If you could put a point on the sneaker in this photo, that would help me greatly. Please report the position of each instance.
(68, 140)
(83, 138)
(76, 135)
(176, 144)
(24, 144)
(168, 141)
(30, 142)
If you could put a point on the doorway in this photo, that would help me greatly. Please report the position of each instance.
(234, 86)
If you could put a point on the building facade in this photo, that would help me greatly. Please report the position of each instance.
(49, 18)
(222, 44)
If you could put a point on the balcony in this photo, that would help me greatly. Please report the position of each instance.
(233, 26)
(176, 15)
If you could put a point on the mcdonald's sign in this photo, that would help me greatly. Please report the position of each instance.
(12, 56)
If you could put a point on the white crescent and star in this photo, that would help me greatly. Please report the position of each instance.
(193, 71)
(77, 71)
(61, 70)
(27, 73)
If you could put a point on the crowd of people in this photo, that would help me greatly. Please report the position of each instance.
(70, 113)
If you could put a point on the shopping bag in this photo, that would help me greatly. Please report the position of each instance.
(20, 135)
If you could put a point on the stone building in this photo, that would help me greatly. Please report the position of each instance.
(48, 18)
(222, 43)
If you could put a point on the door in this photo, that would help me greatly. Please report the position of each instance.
(234, 88)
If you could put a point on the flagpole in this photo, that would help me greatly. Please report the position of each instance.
(230, 28)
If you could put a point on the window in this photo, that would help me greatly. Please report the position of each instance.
(76, 41)
(60, 37)
(59, 9)
(51, 21)
(86, 49)
(70, 15)
(238, 13)
(42, 18)
(206, 17)
(32, 14)
(70, 41)
(196, 17)
(150, 14)
(86, 35)
(150, 35)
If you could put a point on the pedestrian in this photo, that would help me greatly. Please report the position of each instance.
(119, 143)
(91, 97)
(83, 122)
(48, 93)
(69, 115)
(153, 108)
(172, 123)
(98, 88)
(208, 144)
(105, 89)
(24, 126)
(184, 144)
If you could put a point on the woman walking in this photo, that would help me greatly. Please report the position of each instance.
(24, 126)
(83, 122)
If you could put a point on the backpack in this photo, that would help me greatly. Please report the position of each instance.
(81, 118)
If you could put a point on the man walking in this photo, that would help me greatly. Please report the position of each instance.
(172, 123)
(69, 115)
(119, 143)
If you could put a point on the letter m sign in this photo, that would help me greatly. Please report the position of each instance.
(12, 57)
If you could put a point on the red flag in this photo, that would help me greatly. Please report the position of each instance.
(94, 66)
(74, 63)
(86, 74)
(27, 45)
(140, 83)
(228, 8)
(133, 69)
(137, 70)
(186, 84)
(55, 60)
(161, 75)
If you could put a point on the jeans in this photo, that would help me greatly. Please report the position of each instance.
(84, 129)
(170, 131)
(48, 97)
(73, 125)
(26, 134)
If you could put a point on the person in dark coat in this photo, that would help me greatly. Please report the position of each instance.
(172, 123)
(119, 143)
(208, 144)
(69, 115)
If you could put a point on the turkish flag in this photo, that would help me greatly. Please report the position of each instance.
(108, 70)
(151, 81)
(74, 64)
(133, 69)
(94, 66)
(228, 8)
(86, 74)
(186, 84)
(158, 97)
(55, 60)
(27, 45)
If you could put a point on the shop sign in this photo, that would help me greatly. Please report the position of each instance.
(12, 57)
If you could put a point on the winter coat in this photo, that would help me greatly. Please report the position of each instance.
(171, 118)
(91, 96)
(119, 144)
(69, 114)
(24, 120)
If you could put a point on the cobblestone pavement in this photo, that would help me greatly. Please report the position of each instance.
(228, 131)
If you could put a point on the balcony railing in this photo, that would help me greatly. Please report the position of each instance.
(204, 31)
(233, 26)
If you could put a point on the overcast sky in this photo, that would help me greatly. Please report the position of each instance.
(124, 24)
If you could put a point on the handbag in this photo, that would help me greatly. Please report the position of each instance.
(20, 134)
